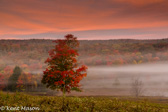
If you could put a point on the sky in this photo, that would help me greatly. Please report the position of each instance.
(86, 19)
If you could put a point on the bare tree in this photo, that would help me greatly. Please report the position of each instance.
(137, 87)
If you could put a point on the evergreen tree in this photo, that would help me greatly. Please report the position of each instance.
(12, 82)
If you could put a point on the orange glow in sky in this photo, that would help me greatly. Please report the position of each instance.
(86, 19)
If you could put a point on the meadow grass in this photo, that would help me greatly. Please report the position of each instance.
(82, 104)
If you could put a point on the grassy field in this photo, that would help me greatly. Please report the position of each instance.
(22, 102)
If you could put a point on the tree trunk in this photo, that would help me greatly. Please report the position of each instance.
(63, 102)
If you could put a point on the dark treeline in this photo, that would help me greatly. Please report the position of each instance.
(87, 46)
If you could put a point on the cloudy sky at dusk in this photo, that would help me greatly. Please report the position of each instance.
(86, 19)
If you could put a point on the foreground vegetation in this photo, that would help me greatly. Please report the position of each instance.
(83, 104)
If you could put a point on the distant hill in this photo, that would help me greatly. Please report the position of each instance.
(92, 52)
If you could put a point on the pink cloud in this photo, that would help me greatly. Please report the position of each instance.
(20, 17)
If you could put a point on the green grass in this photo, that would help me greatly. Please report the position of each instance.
(83, 104)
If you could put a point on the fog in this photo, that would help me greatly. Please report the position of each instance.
(153, 67)
(118, 81)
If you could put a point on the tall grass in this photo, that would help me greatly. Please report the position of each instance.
(81, 104)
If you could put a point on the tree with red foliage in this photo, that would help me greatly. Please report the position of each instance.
(20, 85)
(62, 72)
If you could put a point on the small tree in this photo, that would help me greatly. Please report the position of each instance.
(20, 85)
(62, 72)
(137, 87)
(12, 82)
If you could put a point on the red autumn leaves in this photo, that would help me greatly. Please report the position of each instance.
(62, 72)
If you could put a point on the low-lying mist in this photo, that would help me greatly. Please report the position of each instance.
(103, 80)
(118, 80)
